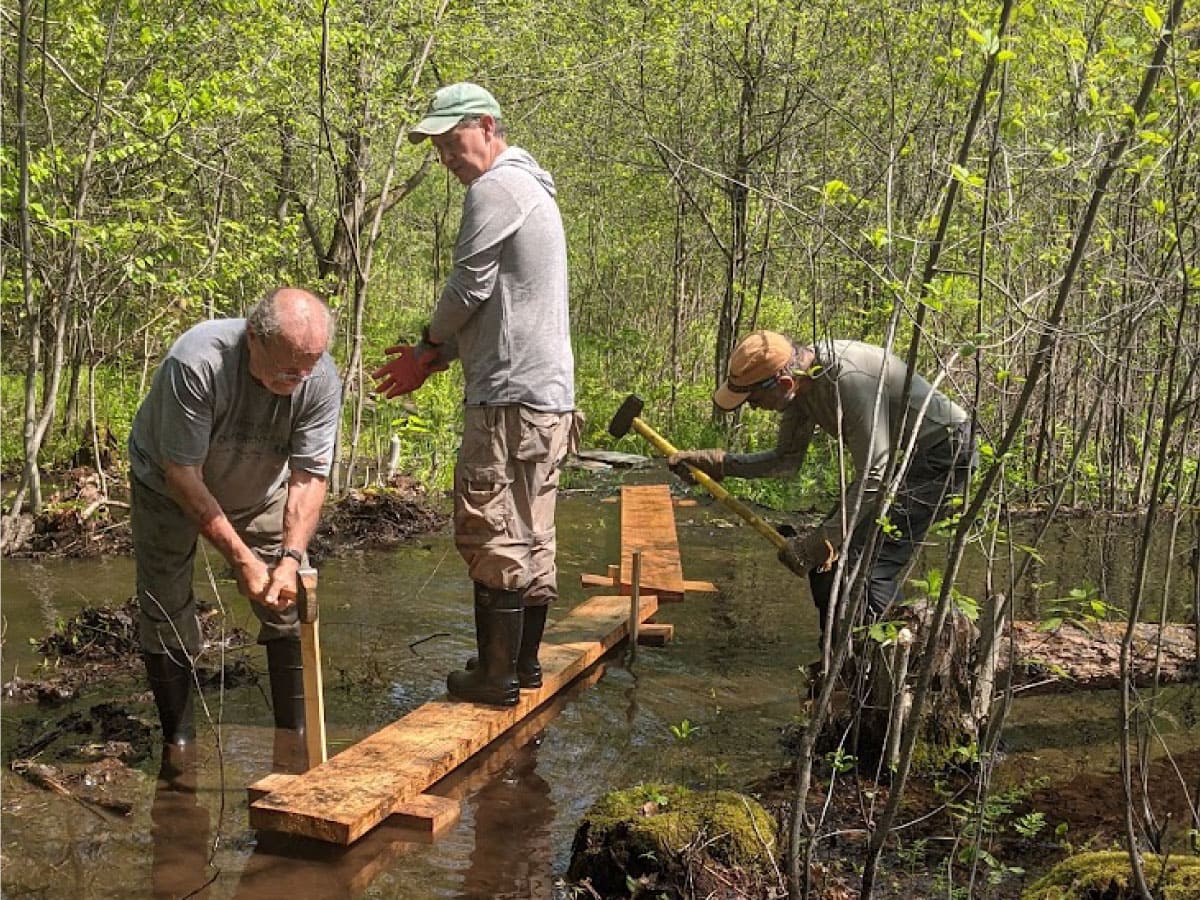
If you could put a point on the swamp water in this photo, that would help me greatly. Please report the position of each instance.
(705, 710)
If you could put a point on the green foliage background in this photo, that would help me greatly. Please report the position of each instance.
(721, 167)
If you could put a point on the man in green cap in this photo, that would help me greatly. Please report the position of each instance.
(504, 313)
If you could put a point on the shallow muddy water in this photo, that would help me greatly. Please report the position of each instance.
(393, 624)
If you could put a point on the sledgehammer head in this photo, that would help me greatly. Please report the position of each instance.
(623, 420)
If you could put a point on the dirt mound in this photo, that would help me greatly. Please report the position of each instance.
(101, 642)
(376, 518)
(95, 633)
(78, 520)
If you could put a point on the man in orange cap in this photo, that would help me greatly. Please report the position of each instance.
(854, 392)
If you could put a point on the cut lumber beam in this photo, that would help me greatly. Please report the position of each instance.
(608, 581)
(648, 526)
(427, 813)
(355, 790)
(656, 634)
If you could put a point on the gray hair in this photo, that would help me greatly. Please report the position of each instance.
(501, 128)
(263, 318)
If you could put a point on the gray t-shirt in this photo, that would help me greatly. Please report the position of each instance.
(504, 309)
(205, 408)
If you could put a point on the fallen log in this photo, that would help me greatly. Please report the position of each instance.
(1088, 655)
(971, 671)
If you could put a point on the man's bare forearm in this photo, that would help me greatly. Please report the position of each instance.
(306, 494)
(189, 490)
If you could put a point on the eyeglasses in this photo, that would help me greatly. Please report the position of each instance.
(763, 385)
(288, 374)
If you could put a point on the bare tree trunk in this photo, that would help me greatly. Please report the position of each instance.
(1046, 344)
(38, 422)
(30, 478)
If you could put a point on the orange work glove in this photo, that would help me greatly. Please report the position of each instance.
(412, 365)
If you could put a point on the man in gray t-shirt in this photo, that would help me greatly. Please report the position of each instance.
(504, 313)
(853, 392)
(234, 441)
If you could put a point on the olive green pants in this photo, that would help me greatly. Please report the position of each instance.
(164, 546)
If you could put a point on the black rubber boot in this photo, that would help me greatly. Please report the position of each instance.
(171, 678)
(498, 618)
(529, 670)
(285, 666)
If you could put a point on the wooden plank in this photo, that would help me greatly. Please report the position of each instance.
(604, 581)
(705, 587)
(355, 790)
(648, 525)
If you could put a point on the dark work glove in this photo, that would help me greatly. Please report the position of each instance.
(710, 462)
(808, 552)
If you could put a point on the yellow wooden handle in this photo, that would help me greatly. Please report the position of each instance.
(713, 487)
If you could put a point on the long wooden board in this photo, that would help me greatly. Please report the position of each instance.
(355, 790)
(648, 525)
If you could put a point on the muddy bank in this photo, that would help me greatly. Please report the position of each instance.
(87, 516)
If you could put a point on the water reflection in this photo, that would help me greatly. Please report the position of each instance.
(179, 830)
(731, 673)
(511, 858)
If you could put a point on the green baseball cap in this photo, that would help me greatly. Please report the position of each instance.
(450, 106)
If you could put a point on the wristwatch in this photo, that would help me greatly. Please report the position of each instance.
(291, 552)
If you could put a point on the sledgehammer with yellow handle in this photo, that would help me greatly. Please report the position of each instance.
(628, 416)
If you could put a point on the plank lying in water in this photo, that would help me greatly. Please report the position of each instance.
(648, 525)
(343, 798)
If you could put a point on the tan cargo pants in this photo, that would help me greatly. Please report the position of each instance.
(505, 492)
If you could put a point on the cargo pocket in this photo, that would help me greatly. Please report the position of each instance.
(481, 501)
(538, 430)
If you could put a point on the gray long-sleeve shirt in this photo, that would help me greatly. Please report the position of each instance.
(504, 309)
(841, 401)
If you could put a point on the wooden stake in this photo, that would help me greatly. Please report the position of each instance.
(310, 654)
(635, 603)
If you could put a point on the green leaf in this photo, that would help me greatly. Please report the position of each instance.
(1152, 17)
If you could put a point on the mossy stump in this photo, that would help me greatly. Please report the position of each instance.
(1107, 876)
(664, 840)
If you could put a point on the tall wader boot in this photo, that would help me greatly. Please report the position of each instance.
(285, 666)
(529, 670)
(498, 619)
(170, 677)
